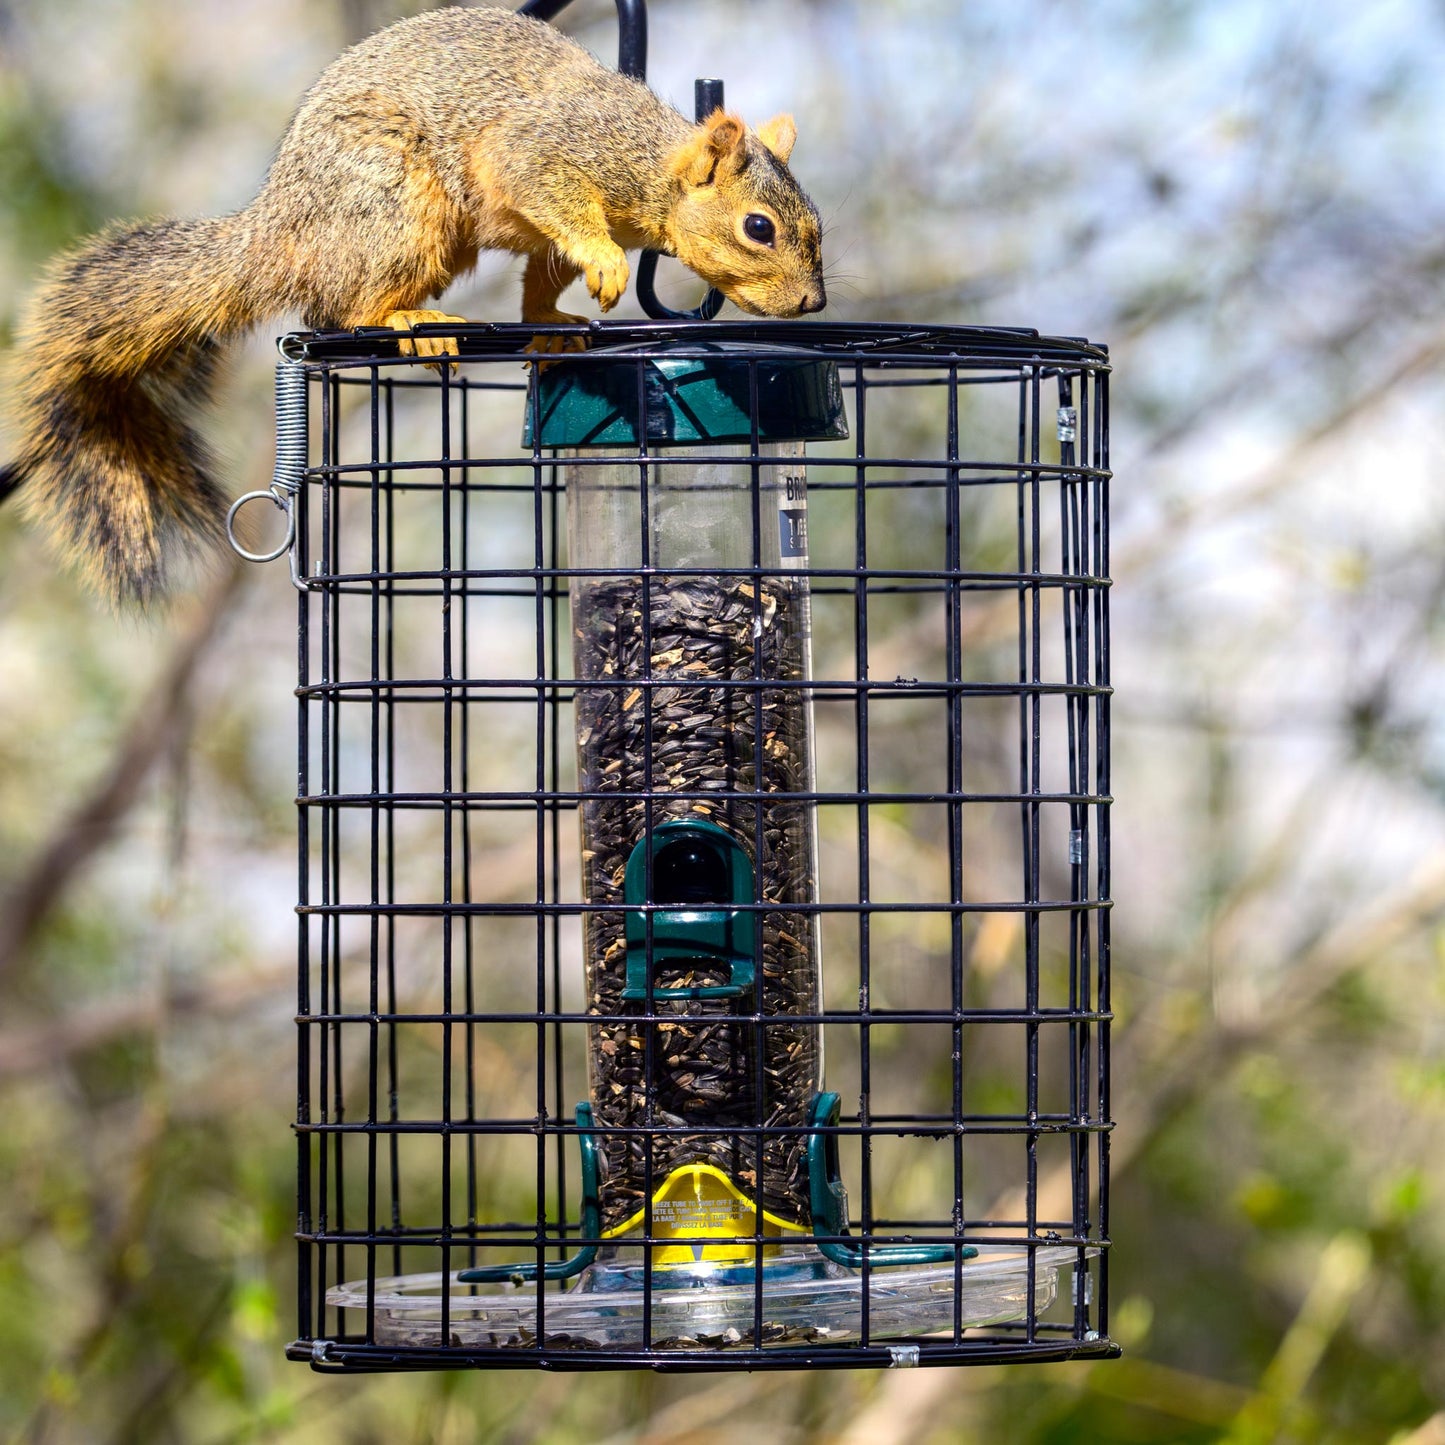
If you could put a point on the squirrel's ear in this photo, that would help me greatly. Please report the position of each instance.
(778, 135)
(717, 144)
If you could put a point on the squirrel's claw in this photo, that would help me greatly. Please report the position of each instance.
(607, 278)
(555, 345)
(425, 345)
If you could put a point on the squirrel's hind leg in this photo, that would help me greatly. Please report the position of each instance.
(547, 276)
(368, 231)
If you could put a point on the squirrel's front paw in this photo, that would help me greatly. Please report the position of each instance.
(424, 345)
(607, 278)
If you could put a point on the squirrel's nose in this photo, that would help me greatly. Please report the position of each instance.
(813, 301)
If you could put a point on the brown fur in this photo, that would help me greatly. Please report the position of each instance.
(456, 131)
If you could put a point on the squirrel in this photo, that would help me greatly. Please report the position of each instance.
(451, 132)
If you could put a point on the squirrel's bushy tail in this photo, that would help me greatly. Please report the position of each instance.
(115, 353)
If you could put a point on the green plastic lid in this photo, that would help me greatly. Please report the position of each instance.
(692, 399)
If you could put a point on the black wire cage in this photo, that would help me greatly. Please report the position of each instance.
(703, 847)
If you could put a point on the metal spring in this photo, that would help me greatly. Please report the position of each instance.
(292, 450)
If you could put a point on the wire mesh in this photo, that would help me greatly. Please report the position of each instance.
(958, 574)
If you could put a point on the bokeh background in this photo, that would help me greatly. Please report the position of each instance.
(1246, 201)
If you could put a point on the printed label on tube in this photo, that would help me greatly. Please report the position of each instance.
(793, 518)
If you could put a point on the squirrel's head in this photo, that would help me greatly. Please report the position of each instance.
(742, 222)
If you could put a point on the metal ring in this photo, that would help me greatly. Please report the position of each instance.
(284, 502)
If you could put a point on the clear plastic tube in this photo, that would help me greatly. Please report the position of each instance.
(690, 625)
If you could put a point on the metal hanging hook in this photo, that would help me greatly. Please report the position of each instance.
(707, 97)
(631, 30)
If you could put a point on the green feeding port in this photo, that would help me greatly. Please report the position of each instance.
(700, 873)
(590, 1227)
(828, 1201)
(687, 400)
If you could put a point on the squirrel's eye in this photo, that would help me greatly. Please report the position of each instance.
(759, 228)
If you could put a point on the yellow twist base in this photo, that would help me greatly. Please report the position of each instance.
(699, 1201)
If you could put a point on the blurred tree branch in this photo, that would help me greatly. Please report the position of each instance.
(1416, 361)
(143, 744)
(54, 1044)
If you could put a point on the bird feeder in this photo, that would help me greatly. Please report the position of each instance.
(789, 1102)
(703, 845)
